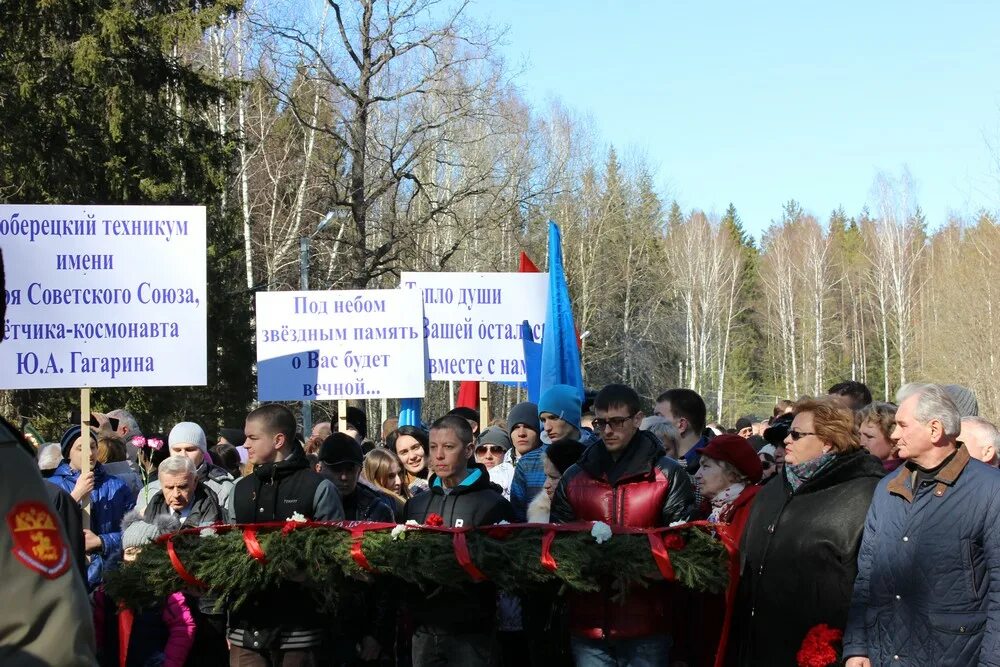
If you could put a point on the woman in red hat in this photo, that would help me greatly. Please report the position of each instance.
(727, 479)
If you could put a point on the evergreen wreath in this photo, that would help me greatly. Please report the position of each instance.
(234, 562)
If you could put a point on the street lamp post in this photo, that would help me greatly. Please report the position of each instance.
(304, 243)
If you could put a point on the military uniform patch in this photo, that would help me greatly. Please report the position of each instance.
(38, 544)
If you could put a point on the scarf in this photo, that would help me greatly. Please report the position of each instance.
(724, 499)
(801, 473)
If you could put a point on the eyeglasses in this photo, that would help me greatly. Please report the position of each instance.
(798, 435)
(614, 422)
(492, 449)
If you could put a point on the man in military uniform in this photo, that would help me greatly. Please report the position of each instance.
(45, 619)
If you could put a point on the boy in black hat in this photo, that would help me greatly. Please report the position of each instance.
(340, 461)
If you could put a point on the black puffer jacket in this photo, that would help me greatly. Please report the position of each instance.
(476, 502)
(366, 504)
(799, 559)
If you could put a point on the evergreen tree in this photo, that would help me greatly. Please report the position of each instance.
(101, 103)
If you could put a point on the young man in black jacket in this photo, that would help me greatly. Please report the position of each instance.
(278, 626)
(456, 627)
(340, 461)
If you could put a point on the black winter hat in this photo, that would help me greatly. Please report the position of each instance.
(340, 448)
(564, 453)
(524, 413)
(778, 430)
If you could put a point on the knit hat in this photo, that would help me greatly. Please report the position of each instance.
(563, 401)
(964, 400)
(187, 433)
(69, 437)
(234, 436)
(564, 453)
(736, 451)
(524, 413)
(495, 435)
(136, 532)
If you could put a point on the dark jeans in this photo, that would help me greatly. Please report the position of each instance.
(440, 650)
(245, 657)
(651, 651)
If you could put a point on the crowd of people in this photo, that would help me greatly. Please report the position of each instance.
(872, 518)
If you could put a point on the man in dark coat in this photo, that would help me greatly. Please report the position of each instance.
(455, 627)
(928, 585)
(624, 479)
(366, 621)
(278, 626)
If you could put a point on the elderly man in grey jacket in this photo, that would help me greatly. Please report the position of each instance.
(928, 585)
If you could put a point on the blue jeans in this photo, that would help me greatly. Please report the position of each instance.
(652, 651)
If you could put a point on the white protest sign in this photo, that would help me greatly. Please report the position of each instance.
(339, 344)
(103, 296)
(472, 322)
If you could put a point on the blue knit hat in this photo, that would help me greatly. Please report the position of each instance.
(563, 401)
(69, 437)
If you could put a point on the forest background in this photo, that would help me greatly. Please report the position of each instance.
(393, 135)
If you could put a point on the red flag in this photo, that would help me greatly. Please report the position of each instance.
(527, 266)
(468, 395)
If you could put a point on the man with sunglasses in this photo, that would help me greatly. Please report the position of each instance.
(624, 479)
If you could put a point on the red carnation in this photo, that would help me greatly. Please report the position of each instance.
(674, 541)
(818, 648)
(434, 520)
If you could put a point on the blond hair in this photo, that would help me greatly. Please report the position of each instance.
(377, 469)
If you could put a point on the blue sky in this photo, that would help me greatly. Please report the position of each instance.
(760, 102)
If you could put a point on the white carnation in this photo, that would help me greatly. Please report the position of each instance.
(412, 522)
(601, 532)
(297, 517)
(678, 523)
(397, 532)
(208, 532)
(504, 522)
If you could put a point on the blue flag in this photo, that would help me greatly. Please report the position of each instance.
(560, 350)
(409, 412)
(532, 361)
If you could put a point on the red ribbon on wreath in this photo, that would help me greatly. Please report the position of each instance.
(357, 553)
(464, 558)
(253, 546)
(548, 560)
(179, 568)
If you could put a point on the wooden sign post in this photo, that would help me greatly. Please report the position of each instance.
(484, 406)
(85, 449)
(342, 416)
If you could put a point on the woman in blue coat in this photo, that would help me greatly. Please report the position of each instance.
(110, 500)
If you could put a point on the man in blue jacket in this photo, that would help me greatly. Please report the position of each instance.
(110, 500)
(928, 585)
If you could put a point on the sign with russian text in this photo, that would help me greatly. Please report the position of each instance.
(472, 322)
(339, 344)
(103, 296)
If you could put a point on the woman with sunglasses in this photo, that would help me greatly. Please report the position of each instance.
(491, 451)
(800, 545)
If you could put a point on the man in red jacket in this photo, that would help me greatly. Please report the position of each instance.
(624, 479)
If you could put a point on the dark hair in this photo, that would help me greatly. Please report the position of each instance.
(227, 456)
(564, 453)
(457, 425)
(617, 395)
(464, 413)
(415, 432)
(276, 418)
(858, 392)
(686, 403)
